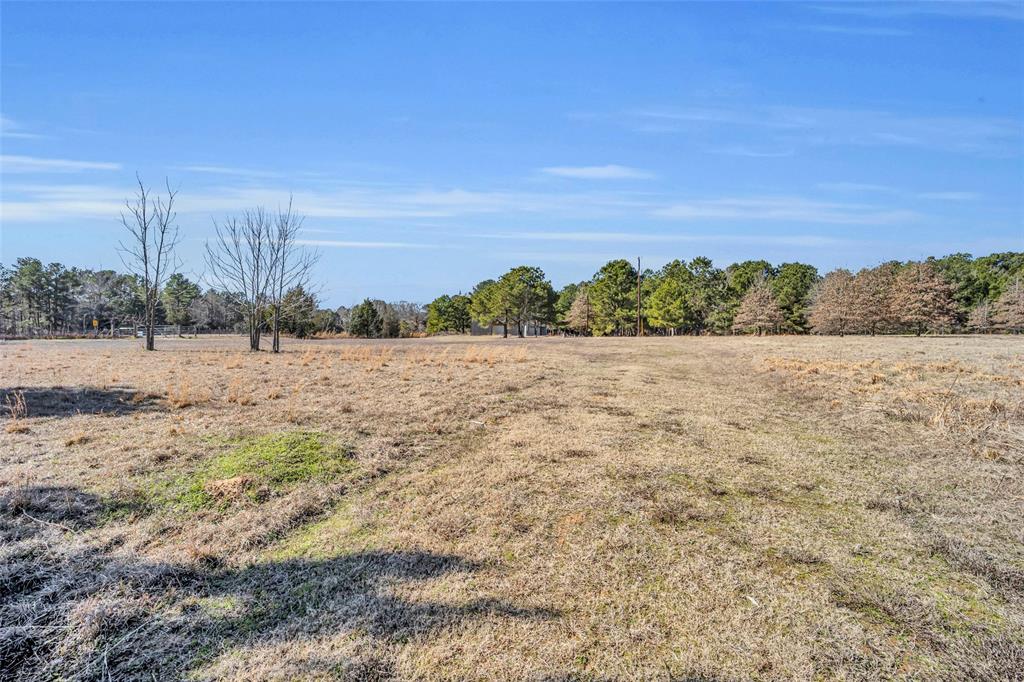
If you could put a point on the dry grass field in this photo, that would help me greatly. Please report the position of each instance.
(549, 509)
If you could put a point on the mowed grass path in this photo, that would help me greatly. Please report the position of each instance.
(713, 508)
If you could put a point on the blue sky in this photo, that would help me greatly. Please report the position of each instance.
(433, 145)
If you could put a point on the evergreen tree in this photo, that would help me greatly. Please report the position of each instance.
(366, 321)
(666, 307)
(488, 306)
(177, 298)
(527, 296)
(449, 314)
(613, 298)
(298, 309)
(792, 286)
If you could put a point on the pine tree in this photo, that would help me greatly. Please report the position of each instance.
(831, 311)
(613, 298)
(921, 298)
(666, 307)
(366, 321)
(758, 310)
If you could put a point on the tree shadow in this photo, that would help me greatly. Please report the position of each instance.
(113, 617)
(26, 511)
(62, 401)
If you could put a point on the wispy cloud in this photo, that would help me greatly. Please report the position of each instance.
(950, 196)
(608, 172)
(350, 244)
(1011, 9)
(863, 187)
(10, 128)
(32, 164)
(54, 203)
(639, 238)
(794, 209)
(854, 187)
(227, 170)
(740, 150)
(879, 31)
(791, 127)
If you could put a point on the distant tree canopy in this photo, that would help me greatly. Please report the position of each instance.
(953, 293)
(613, 299)
(177, 297)
(449, 314)
(366, 321)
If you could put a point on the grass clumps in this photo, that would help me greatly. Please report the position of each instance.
(258, 467)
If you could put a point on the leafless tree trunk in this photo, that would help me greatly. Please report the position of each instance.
(241, 261)
(292, 264)
(149, 250)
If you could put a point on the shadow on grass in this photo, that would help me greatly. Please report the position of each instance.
(62, 401)
(112, 617)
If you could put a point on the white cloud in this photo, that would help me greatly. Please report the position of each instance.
(740, 150)
(227, 170)
(32, 164)
(795, 209)
(335, 243)
(44, 203)
(10, 128)
(950, 196)
(858, 30)
(608, 172)
(416, 206)
(637, 238)
(855, 187)
(789, 127)
(1011, 9)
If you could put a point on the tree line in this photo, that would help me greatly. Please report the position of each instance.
(258, 273)
(38, 299)
(956, 293)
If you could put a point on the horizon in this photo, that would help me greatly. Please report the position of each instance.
(433, 146)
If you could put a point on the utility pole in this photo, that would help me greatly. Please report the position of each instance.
(639, 322)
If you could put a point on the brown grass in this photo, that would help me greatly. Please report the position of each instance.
(688, 508)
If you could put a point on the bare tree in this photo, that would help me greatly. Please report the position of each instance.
(148, 251)
(291, 264)
(921, 298)
(758, 310)
(241, 260)
(832, 309)
(579, 315)
(1009, 308)
(981, 318)
(872, 296)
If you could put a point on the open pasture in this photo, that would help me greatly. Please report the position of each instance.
(461, 508)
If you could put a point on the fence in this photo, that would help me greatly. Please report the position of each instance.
(158, 330)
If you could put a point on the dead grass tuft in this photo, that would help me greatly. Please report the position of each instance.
(183, 394)
(17, 410)
(79, 438)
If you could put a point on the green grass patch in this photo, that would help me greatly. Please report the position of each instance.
(260, 465)
(338, 533)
